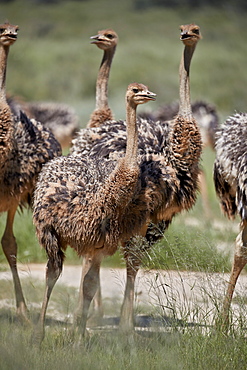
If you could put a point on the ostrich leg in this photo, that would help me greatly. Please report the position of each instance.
(53, 271)
(97, 314)
(127, 311)
(88, 288)
(240, 260)
(9, 246)
(133, 257)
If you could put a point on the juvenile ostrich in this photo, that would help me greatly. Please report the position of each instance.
(59, 118)
(106, 40)
(230, 170)
(24, 147)
(83, 202)
(168, 154)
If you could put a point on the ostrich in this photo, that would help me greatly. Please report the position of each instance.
(59, 118)
(169, 155)
(230, 184)
(24, 147)
(106, 40)
(83, 202)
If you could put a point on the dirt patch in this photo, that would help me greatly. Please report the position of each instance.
(190, 295)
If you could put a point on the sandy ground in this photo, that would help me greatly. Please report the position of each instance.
(192, 296)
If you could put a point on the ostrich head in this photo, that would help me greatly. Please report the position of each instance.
(138, 94)
(105, 39)
(190, 34)
(8, 33)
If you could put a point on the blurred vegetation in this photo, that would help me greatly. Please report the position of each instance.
(54, 60)
(234, 4)
(109, 350)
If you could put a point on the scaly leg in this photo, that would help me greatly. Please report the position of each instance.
(127, 311)
(9, 246)
(133, 257)
(240, 260)
(97, 313)
(88, 289)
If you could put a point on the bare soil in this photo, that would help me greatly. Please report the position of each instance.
(190, 296)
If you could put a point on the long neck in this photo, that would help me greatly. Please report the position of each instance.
(132, 135)
(184, 89)
(102, 80)
(6, 121)
(118, 189)
(4, 50)
(117, 192)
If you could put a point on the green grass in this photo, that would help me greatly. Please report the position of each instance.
(171, 351)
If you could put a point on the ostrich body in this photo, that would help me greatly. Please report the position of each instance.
(230, 169)
(24, 147)
(106, 40)
(59, 118)
(89, 204)
(168, 154)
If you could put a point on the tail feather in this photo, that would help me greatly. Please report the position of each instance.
(50, 241)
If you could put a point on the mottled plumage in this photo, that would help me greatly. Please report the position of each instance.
(32, 146)
(230, 173)
(158, 151)
(80, 186)
(228, 170)
(25, 145)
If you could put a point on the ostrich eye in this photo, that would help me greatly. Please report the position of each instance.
(110, 36)
(196, 31)
(1, 30)
(135, 91)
